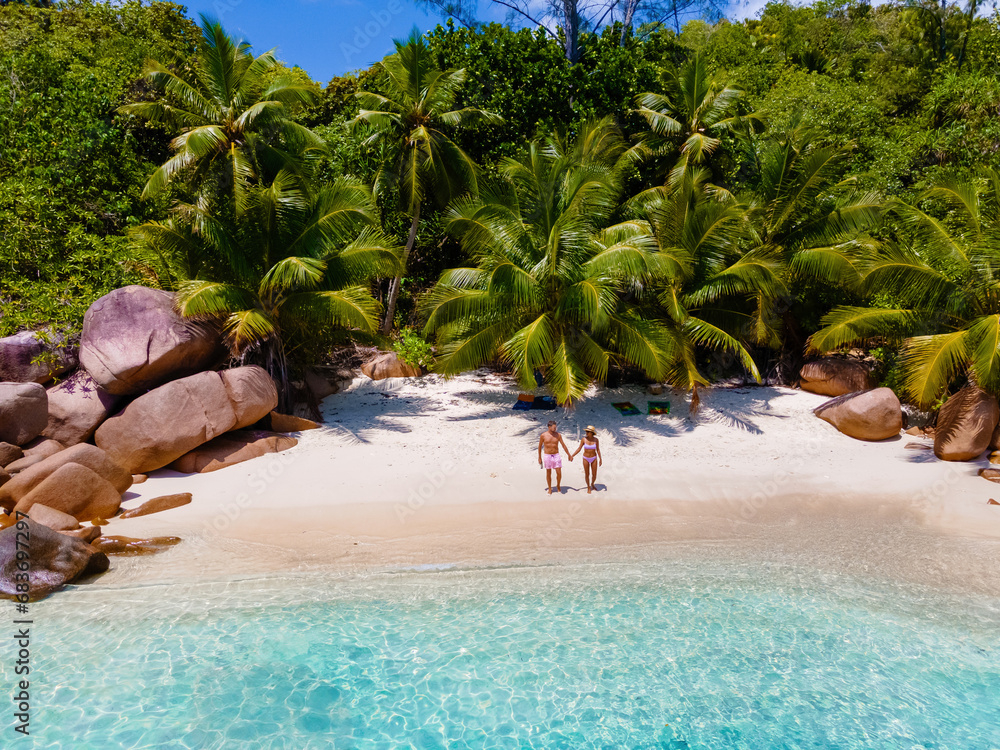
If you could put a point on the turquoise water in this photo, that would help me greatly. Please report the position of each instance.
(677, 655)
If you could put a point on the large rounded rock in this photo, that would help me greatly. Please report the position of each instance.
(231, 449)
(868, 415)
(252, 393)
(389, 365)
(28, 357)
(24, 412)
(133, 340)
(835, 376)
(965, 425)
(75, 490)
(164, 424)
(56, 559)
(83, 454)
(77, 406)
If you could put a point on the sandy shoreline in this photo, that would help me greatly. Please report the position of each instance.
(434, 472)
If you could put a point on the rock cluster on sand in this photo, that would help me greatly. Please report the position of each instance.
(56, 559)
(145, 394)
(84, 455)
(24, 412)
(75, 490)
(389, 365)
(164, 424)
(836, 376)
(134, 340)
(966, 424)
(868, 415)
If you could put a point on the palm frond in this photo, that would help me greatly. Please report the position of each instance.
(208, 299)
(932, 362)
(984, 340)
(248, 329)
(703, 333)
(291, 275)
(351, 307)
(845, 326)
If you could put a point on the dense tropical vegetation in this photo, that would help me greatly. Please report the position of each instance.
(680, 204)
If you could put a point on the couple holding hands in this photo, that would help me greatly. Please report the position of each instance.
(548, 455)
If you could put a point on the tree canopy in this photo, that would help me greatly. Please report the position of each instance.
(820, 170)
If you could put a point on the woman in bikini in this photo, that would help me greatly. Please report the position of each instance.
(591, 448)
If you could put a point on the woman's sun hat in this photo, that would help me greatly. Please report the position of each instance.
(590, 428)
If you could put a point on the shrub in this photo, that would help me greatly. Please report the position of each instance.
(413, 349)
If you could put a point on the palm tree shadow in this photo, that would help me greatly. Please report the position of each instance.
(374, 407)
(741, 420)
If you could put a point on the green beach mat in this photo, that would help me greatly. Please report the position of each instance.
(626, 408)
(658, 407)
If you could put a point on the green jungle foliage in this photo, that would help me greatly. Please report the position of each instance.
(767, 173)
(71, 171)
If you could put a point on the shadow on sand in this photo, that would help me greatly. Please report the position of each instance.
(371, 408)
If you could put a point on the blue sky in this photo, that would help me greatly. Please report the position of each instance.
(323, 37)
(331, 37)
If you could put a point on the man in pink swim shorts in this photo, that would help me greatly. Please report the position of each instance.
(550, 440)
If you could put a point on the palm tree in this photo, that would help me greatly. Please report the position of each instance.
(942, 271)
(701, 232)
(302, 266)
(695, 111)
(809, 228)
(232, 115)
(422, 162)
(544, 292)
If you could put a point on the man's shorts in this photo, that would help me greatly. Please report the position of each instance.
(552, 460)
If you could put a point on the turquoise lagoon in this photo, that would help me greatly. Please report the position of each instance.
(652, 655)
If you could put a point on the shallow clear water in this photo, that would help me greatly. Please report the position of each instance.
(666, 655)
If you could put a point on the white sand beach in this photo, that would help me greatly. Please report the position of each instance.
(431, 472)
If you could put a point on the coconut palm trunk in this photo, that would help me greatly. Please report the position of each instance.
(276, 364)
(397, 281)
(422, 161)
